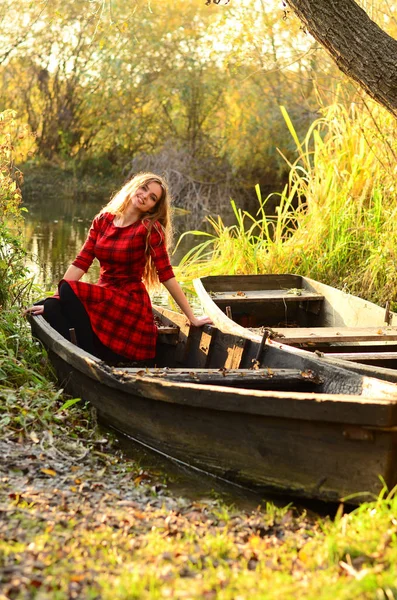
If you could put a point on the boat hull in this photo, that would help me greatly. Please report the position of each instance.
(312, 445)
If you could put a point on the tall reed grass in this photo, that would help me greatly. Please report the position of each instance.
(336, 218)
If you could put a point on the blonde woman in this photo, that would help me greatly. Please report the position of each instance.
(113, 318)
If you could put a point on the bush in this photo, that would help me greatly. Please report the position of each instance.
(14, 280)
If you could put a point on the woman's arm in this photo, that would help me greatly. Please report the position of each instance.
(178, 295)
(73, 273)
(166, 275)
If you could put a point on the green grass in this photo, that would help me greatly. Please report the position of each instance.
(158, 553)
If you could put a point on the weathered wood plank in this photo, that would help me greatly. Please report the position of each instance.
(167, 330)
(222, 283)
(236, 353)
(230, 377)
(367, 356)
(197, 347)
(234, 297)
(296, 335)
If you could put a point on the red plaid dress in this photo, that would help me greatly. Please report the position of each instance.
(118, 305)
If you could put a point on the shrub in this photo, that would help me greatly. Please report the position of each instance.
(14, 281)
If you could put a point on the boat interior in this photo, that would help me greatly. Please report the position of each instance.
(305, 313)
(206, 355)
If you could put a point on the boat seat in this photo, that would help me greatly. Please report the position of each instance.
(168, 330)
(312, 335)
(367, 357)
(273, 376)
(292, 295)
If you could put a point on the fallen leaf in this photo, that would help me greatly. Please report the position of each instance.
(307, 374)
(33, 437)
(78, 578)
(49, 472)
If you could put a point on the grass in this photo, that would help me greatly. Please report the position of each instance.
(114, 552)
(336, 219)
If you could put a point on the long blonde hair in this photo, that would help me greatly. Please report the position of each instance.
(161, 214)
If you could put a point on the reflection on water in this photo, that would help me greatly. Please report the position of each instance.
(56, 228)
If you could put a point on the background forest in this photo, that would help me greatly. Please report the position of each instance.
(220, 99)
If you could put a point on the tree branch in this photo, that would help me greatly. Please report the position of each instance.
(360, 48)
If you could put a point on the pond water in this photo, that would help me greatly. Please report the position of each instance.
(56, 228)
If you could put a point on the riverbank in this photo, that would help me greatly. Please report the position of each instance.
(94, 526)
(79, 519)
(68, 180)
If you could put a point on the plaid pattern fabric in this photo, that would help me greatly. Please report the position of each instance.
(118, 305)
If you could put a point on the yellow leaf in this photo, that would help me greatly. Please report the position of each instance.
(49, 472)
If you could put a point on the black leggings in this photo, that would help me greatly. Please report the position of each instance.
(69, 313)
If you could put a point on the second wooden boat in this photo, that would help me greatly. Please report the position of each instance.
(301, 312)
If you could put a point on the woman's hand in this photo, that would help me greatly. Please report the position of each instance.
(200, 321)
(178, 295)
(34, 310)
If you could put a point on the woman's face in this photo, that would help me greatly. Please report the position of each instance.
(147, 196)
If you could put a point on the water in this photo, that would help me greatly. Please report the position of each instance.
(56, 228)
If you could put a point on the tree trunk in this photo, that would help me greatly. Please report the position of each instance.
(360, 48)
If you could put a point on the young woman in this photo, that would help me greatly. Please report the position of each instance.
(113, 318)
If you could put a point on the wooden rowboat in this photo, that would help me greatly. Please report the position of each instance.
(264, 418)
(304, 313)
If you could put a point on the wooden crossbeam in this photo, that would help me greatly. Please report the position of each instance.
(367, 356)
(228, 377)
(263, 296)
(301, 335)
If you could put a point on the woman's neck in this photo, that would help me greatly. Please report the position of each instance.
(126, 219)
